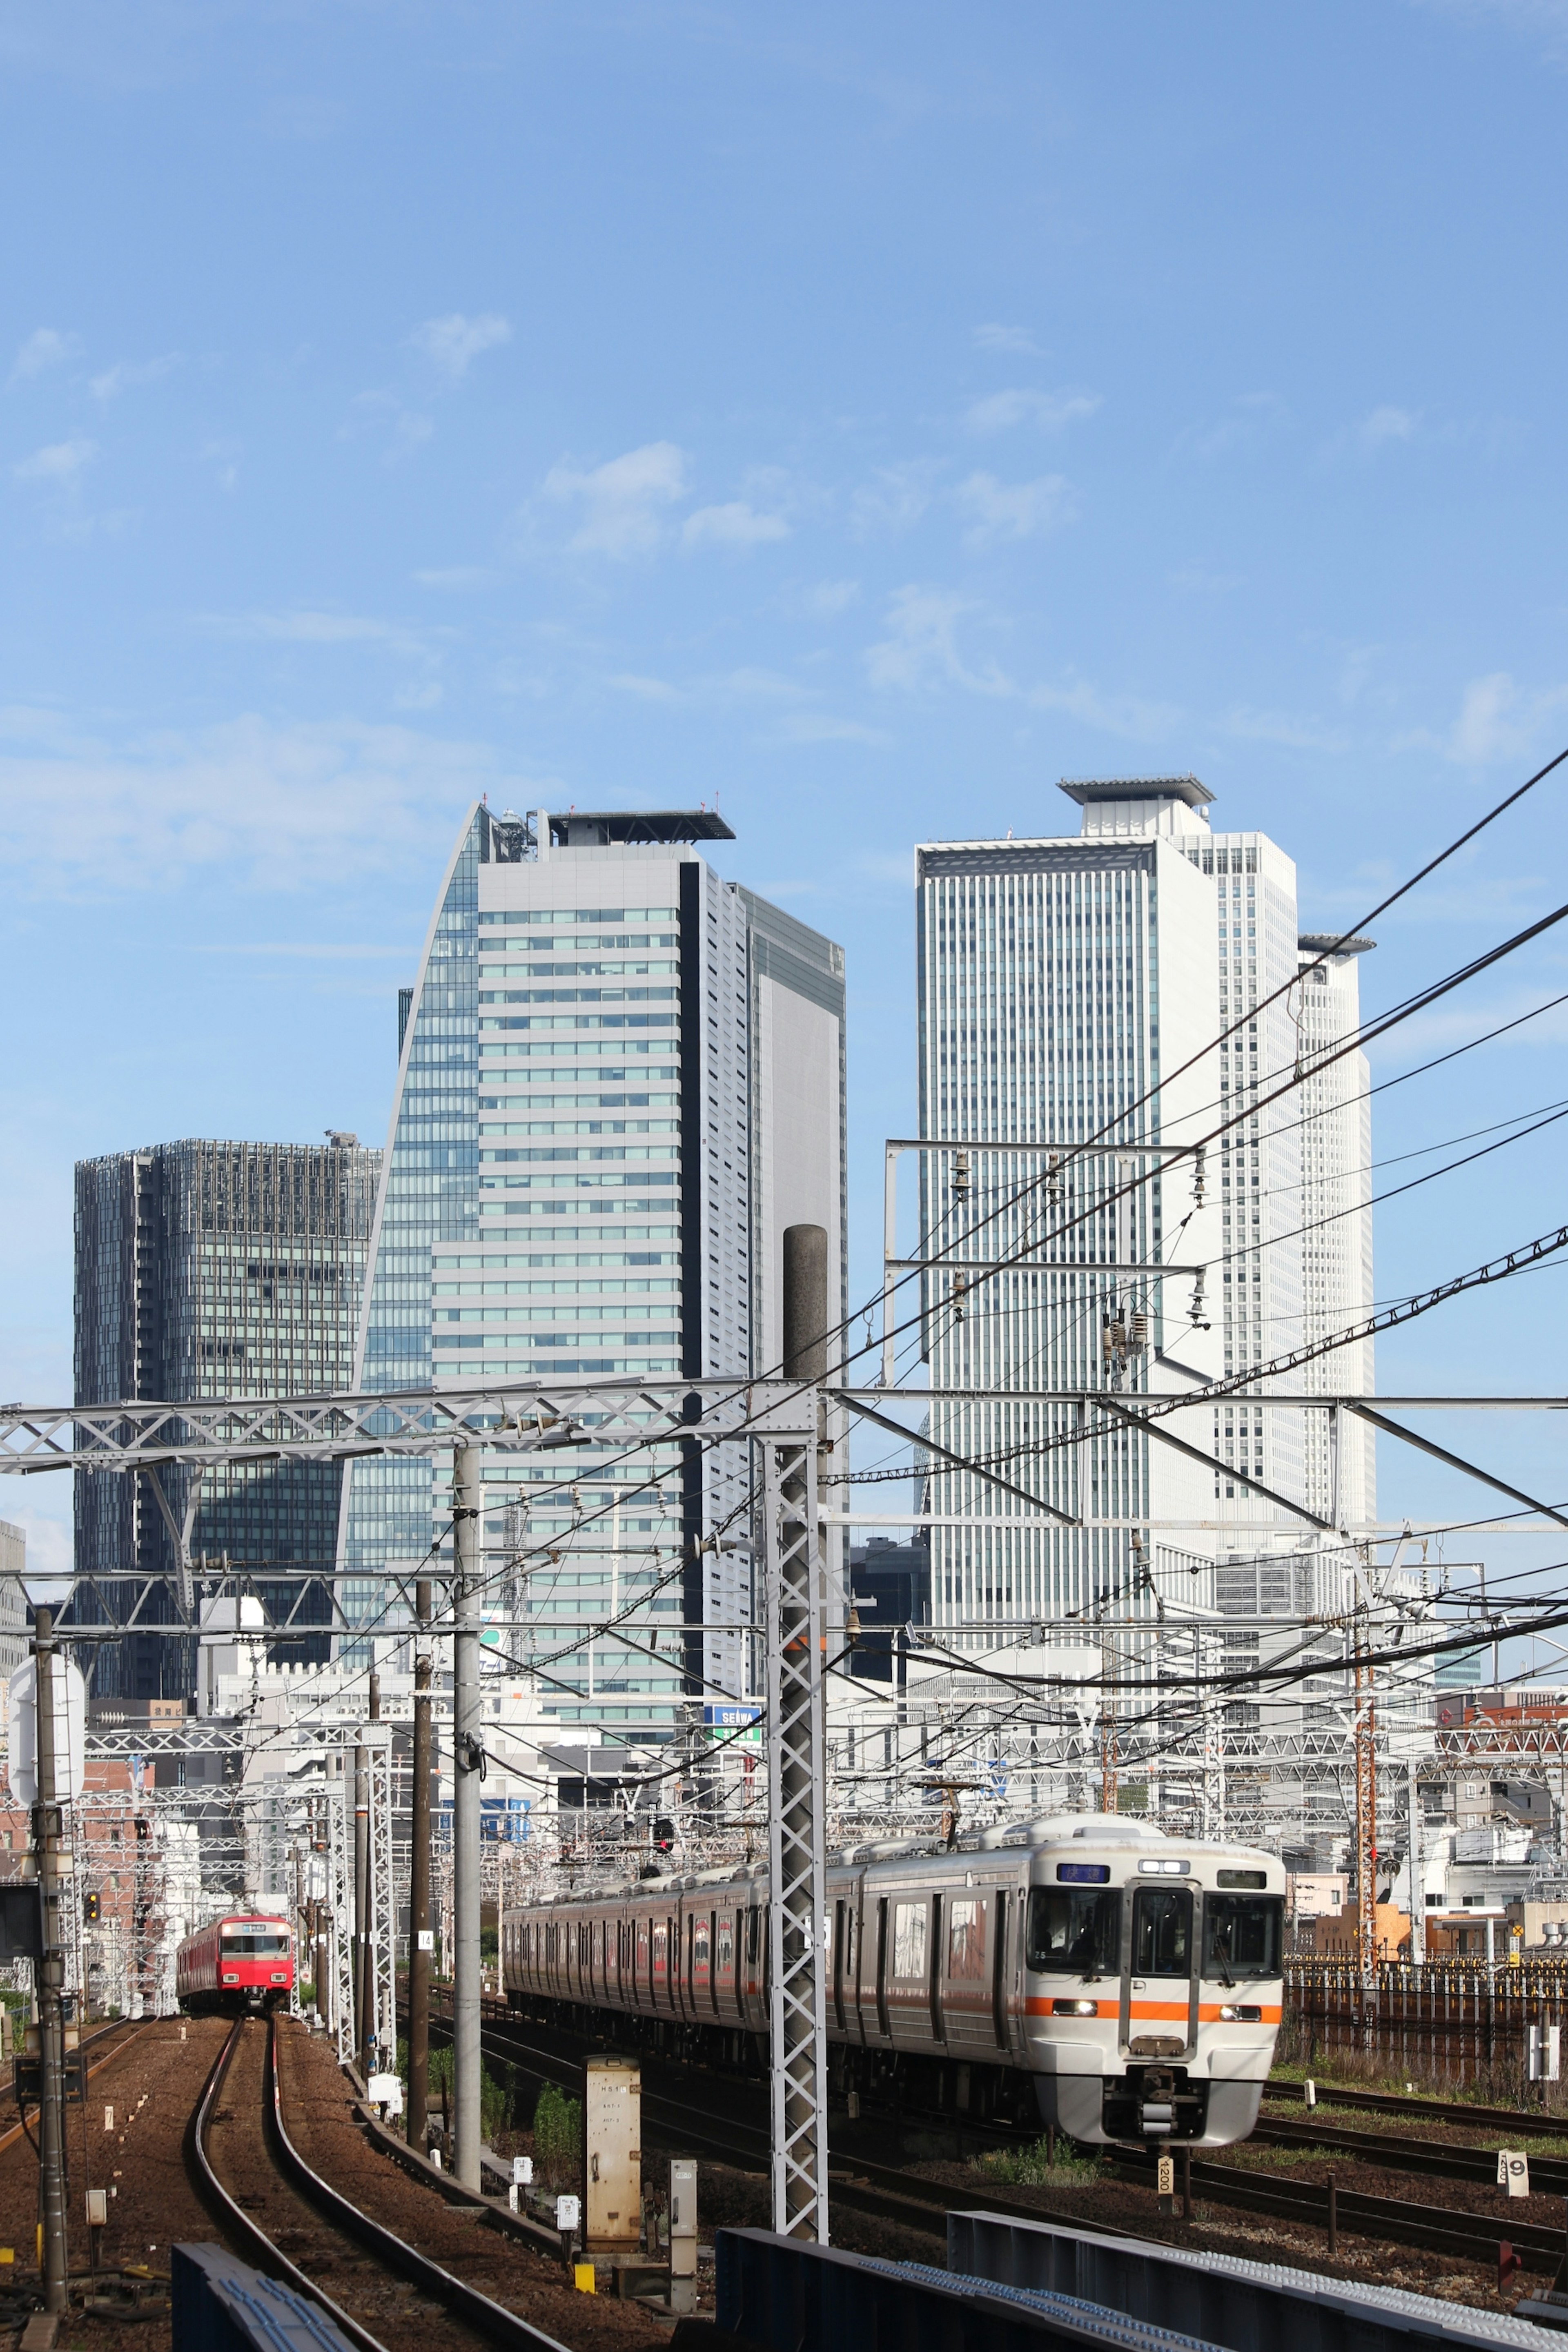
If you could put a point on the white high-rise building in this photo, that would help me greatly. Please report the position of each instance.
(620, 1078)
(1066, 986)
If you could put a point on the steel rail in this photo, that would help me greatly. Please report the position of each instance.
(1519, 2121)
(1449, 2160)
(488, 2319)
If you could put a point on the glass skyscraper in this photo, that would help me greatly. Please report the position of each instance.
(620, 1077)
(208, 1269)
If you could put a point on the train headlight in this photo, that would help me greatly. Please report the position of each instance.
(1241, 2012)
(1075, 2009)
(1157, 1867)
(231, 1980)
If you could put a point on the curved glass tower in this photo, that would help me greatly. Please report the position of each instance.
(621, 1075)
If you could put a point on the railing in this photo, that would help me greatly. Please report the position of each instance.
(1449, 2017)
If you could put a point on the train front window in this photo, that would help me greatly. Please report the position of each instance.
(1242, 1935)
(244, 1947)
(1075, 1931)
(1162, 1932)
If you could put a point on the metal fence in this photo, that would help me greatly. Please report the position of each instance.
(1449, 2018)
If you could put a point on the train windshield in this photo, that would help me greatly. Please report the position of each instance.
(1242, 1935)
(1075, 1930)
(1161, 1932)
(252, 1944)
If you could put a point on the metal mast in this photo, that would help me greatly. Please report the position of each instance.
(797, 1910)
(468, 1756)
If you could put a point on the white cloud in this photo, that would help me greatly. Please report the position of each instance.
(61, 463)
(272, 807)
(126, 372)
(49, 1565)
(407, 430)
(455, 577)
(831, 597)
(1253, 416)
(822, 727)
(319, 628)
(622, 502)
(895, 498)
(454, 342)
(1386, 424)
(1049, 410)
(735, 525)
(921, 646)
(46, 347)
(995, 338)
(1126, 714)
(998, 510)
(1497, 721)
(646, 689)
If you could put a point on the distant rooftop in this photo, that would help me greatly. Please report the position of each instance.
(1318, 943)
(1088, 789)
(603, 828)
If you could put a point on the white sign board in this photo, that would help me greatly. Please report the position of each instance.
(70, 1732)
(1513, 2172)
(386, 2091)
(425, 1939)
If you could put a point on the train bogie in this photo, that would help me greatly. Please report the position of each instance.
(1119, 1984)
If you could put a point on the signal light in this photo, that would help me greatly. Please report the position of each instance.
(143, 1829)
(90, 1908)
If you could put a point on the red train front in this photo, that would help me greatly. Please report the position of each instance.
(240, 1965)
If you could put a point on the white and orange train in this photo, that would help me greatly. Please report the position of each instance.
(240, 1966)
(1122, 1985)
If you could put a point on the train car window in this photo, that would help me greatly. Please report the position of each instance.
(252, 1948)
(1073, 1932)
(966, 1941)
(1242, 1935)
(753, 1934)
(1162, 1932)
(726, 1948)
(910, 1939)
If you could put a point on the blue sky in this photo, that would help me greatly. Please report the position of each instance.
(857, 416)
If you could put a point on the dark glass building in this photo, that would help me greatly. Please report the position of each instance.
(891, 1587)
(202, 1270)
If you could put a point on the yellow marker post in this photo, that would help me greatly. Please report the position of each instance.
(8, 2253)
(583, 2278)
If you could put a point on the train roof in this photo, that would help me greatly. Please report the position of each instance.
(1021, 1837)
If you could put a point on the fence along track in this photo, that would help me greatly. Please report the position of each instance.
(1458, 2018)
(487, 2319)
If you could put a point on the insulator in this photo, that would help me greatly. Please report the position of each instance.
(1140, 1331)
(1198, 1177)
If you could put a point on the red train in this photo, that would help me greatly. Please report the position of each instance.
(244, 1964)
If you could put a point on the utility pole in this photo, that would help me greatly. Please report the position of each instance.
(51, 1975)
(1365, 1805)
(420, 1883)
(1415, 1870)
(468, 1756)
(364, 1968)
(797, 1890)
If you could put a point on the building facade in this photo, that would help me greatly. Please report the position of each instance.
(621, 1075)
(1072, 996)
(1068, 1005)
(209, 1269)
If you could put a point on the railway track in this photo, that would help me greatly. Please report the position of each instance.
(1519, 2122)
(243, 2160)
(1440, 2159)
(888, 2193)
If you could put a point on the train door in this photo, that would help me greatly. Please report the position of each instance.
(725, 2002)
(966, 2013)
(1000, 1987)
(1161, 1983)
(908, 1979)
(840, 1959)
(884, 2013)
(938, 1940)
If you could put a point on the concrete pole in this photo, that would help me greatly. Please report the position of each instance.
(51, 1977)
(419, 1885)
(1417, 1869)
(467, 1759)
